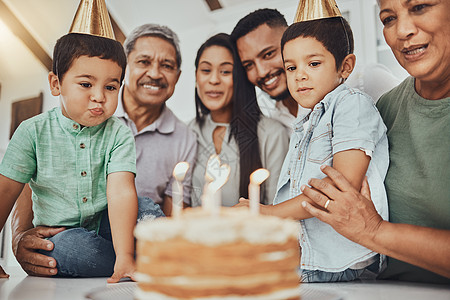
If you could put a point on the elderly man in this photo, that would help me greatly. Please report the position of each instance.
(153, 69)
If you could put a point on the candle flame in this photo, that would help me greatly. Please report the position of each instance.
(258, 176)
(180, 170)
(212, 166)
(221, 178)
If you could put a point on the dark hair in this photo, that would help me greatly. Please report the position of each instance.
(271, 17)
(334, 33)
(73, 45)
(245, 114)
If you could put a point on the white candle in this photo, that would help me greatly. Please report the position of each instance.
(216, 175)
(217, 202)
(179, 172)
(214, 199)
(254, 196)
(177, 198)
(210, 175)
(221, 177)
(256, 178)
(206, 197)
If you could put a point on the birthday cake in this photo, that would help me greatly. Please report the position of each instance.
(230, 255)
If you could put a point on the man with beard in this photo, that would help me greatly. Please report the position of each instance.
(153, 69)
(258, 36)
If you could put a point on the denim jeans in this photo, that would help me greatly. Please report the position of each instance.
(368, 273)
(83, 253)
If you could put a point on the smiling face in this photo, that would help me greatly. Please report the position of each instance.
(310, 70)
(260, 54)
(214, 78)
(152, 71)
(89, 90)
(418, 33)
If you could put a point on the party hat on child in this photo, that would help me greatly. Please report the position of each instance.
(92, 18)
(316, 9)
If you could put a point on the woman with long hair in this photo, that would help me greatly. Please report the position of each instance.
(229, 123)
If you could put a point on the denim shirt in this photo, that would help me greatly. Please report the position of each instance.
(345, 119)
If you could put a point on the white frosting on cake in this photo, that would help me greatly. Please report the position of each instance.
(280, 294)
(276, 255)
(211, 281)
(230, 226)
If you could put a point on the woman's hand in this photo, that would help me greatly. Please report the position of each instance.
(349, 212)
(352, 214)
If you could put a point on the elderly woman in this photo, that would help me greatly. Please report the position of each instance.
(417, 115)
(229, 123)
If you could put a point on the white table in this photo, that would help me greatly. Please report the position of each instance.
(22, 287)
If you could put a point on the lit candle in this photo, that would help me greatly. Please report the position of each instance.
(256, 178)
(179, 172)
(212, 164)
(204, 197)
(216, 175)
(215, 186)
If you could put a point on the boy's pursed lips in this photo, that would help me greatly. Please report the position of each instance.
(96, 111)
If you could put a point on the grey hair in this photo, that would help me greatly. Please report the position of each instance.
(161, 31)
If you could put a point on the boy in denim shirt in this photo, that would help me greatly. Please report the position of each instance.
(337, 126)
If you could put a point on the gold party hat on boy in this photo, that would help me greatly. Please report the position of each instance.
(92, 18)
(316, 9)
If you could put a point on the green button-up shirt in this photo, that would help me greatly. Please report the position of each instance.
(66, 166)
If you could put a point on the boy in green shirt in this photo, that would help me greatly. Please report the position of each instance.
(79, 160)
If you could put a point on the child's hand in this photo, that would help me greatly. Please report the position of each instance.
(3, 273)
(242, 203)
(124, 267)
(263, 209)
